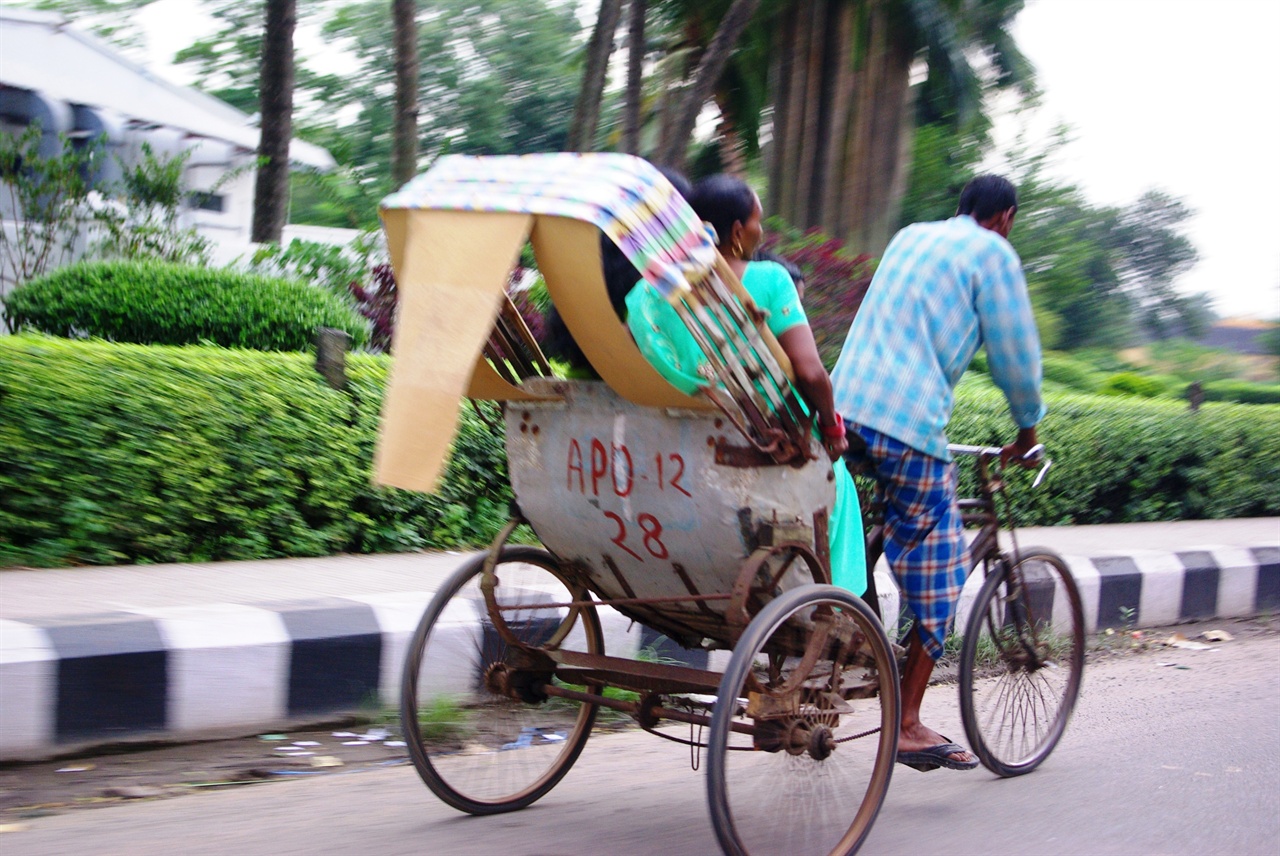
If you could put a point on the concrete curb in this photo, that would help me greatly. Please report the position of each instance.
(166, 673)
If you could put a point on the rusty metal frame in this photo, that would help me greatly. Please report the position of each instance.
(738, 615)
(533, 668)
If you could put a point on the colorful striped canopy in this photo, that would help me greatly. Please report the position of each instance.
(624, 196)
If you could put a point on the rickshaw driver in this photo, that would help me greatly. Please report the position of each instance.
(941, 290)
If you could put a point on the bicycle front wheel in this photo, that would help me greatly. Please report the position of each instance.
(1022, 661)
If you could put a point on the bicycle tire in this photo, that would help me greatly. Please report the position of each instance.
(768, 793)
(1017, 695)
(497, 753)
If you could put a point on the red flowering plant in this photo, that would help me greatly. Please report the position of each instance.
(835, 280)
(377, 302)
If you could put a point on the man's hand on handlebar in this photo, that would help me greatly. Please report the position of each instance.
(1017, 451)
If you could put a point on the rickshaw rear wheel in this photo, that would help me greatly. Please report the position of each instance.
(800, 757)
(479, 732)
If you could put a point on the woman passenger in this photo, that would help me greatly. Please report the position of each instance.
(733, 210)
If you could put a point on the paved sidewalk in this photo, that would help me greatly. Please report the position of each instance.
(94, 655)
(73, 591)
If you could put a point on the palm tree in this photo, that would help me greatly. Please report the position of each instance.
(830, 82)
(631, 98)
(404, 149)
(586, 114)
(698, 89)
(844, 109)
(271, 188)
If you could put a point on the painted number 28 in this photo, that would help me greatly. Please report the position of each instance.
(651, 535)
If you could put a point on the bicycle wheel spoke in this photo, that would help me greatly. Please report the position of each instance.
(480, 734)
(820, 756)
(1016, 707)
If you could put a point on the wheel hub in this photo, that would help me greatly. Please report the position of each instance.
(821, 743)
(519, 684)
(797, 737)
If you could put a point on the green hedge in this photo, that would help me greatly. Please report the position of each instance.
(1128, 459)
(157, 303)
(1071, 373)
(1242, 392)
(1132, 383)
(124, 453)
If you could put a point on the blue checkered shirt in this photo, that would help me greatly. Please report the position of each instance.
(941, 290)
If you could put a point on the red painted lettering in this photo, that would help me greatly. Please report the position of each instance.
(622, 461)
(620, 537)
(675, 480)
(575, 465)
(599, 465)
(652, 536)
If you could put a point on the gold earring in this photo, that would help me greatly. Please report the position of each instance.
(737, 249)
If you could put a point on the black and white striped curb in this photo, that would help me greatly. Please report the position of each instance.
(227, 668)
(223, 668)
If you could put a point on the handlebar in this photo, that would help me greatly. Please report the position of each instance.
(1034, 454)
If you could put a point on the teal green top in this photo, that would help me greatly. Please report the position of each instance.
(671, 349)
(845, 537)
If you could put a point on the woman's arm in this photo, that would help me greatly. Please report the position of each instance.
(814, 383)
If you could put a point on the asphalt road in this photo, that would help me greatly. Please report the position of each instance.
(1170, 752)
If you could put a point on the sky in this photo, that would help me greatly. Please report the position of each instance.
(1177, 95)
(1182, 96)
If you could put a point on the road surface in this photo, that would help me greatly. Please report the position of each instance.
(1170, 752)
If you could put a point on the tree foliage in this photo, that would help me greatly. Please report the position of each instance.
(500, 79)
(1099, 275)
(1105, 273)
(49, 194)
(112, 20)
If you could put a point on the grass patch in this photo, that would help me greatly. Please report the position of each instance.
(442, 720)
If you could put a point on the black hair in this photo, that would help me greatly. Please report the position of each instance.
(723, 200)
(986, 196)
(620, 275)
(792, 269)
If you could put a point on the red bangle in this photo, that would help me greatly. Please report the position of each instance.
(833, 432)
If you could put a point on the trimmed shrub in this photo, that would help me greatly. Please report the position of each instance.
(1071, 373)
(157, 303)
(123, 453)
(1129, 383)
(1123, 460)
(1242, 392)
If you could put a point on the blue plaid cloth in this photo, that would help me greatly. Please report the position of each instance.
(923, 530)
(941, 290)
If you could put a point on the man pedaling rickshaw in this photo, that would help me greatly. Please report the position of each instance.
(941, 291)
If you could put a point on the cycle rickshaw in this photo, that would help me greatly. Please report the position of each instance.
(703, 517)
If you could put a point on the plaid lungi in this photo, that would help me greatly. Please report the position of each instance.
(923, 529)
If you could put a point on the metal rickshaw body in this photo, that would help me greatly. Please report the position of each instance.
(649, 505)
(704, 517)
